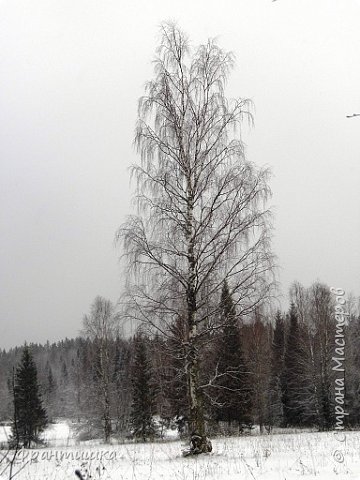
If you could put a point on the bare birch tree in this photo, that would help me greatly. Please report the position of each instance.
(100, 326)
(315, 309)
(202, 214)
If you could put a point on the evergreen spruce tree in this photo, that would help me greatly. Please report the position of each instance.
(232, 382)
(275, 405)
(259, 352)
(77, 380)
(293, 377)
(121, 380)
(29, 417)
(176, 384)
(352, 369)
(50, 390)
(143, 404)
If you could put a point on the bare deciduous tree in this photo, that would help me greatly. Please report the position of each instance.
(202, 214)
(315, 309)
(100, 326)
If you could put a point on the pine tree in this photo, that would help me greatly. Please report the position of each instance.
(30, 417)
(143, 404)
(232, 378)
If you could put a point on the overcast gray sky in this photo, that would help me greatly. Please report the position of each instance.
(71, 72)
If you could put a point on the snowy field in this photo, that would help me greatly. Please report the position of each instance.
(275, 457)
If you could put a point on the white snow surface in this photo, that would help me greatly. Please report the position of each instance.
(57, 434)
(311, 455)
(5, 432)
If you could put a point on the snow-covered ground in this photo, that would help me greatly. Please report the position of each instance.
(4, 434)
(319, 456)
(58, 434)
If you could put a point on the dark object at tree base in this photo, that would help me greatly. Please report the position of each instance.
(198, 444)
(78, 474)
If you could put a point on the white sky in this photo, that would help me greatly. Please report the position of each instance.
(71, 72)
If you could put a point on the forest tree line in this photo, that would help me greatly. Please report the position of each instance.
(268, 370)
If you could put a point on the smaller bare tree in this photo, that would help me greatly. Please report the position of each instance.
(100, 326)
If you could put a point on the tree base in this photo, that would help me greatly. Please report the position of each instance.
(198, 444)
